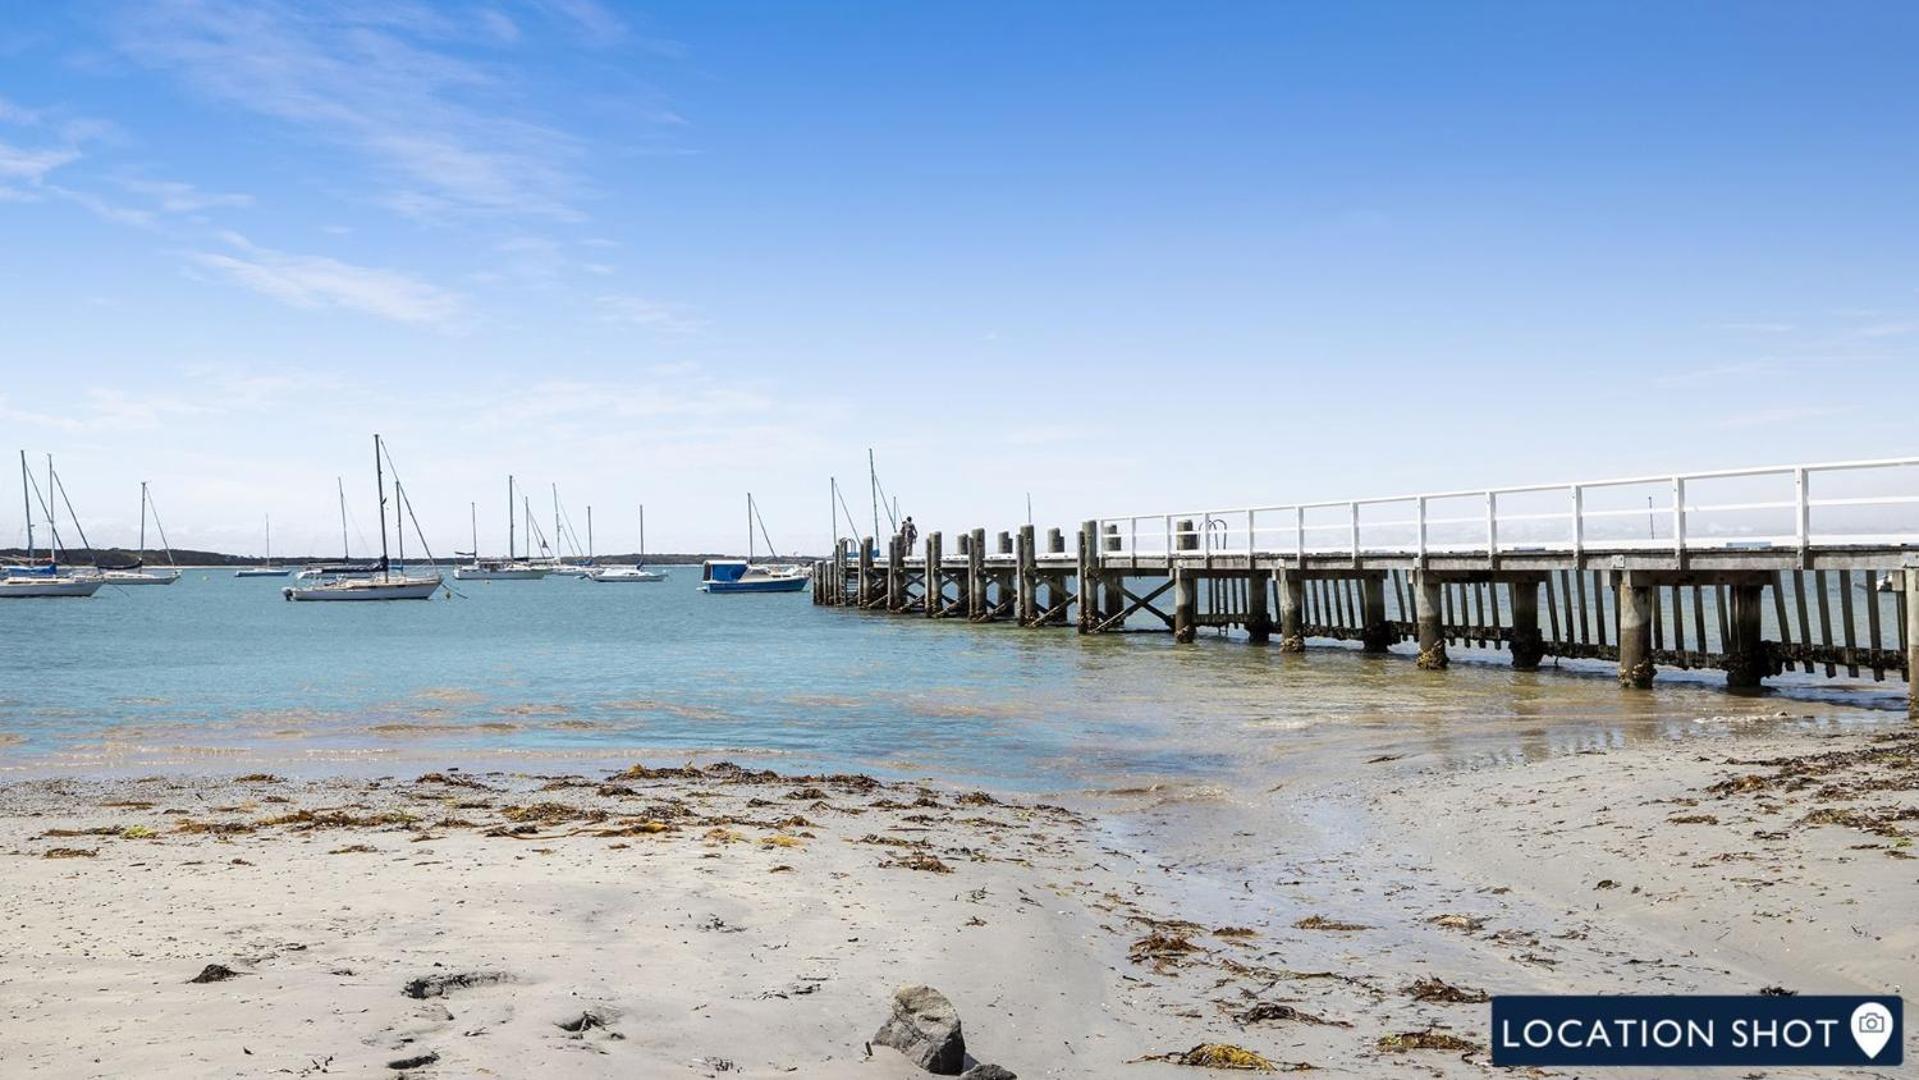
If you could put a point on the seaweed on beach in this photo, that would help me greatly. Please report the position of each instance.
(1429, 1039)
(1225, 1056)
(1438, 990)
(1159, 947)
(548, 813)
(1469, 923)
(308, 820)
(1321, 922)
(919, 860)
(214, 828)
(71, 853)
(1273, 1010)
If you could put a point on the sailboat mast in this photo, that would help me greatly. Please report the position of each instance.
(749, 526)
(269, 539)
(642, 534)
(379, 485)
(556, 521)
(473, 512)
(873, 478)
(53, 513)
(26, 502)
(399, 520)
(509, 517)
(143, 519)
(346, 548)
(589, 532)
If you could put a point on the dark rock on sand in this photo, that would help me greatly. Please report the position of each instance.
(214, 973)
(926, 1028)
(988, 1072)
(417, 1062)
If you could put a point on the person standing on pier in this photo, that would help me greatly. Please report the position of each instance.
(909, 533)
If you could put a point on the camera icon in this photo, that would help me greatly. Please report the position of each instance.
(1872, 1023)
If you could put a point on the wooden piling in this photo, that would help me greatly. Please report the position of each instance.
(1088, 575)
(1291, 587)
(866, 582)
(1432, 641)
(1634, 623)
(1911, 622)
(1747, 661)
(976, 576)
(1527, 645)
(1027, 611)
(1259, 624)
(1375, 633)
(935, 577)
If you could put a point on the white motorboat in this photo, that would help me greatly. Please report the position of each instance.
(267, 570)
(384, 583)
(49, 586)
(619, 574)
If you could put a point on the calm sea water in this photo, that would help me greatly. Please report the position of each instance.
(220, 674)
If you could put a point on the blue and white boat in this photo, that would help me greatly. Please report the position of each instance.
(740, 576)
(43, 579)
(746, 576)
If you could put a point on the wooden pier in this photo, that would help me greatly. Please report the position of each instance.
(1753, 572)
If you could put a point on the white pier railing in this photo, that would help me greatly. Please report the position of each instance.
(1827, 505)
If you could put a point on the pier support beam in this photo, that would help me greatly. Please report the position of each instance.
(935, 577)
(895, 579)
(1259, 624)
(1292, 607)
(1432, 635)
(1375, 633)
(1028, 610)
(1528, 646)
(1635, 630)
(1185, 605)
(1088, 576)
(976, 575)
(1911, 597)
(1747, 659)
(864, 591)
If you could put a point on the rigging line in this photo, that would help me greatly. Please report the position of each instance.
(47, 512)
(81, 529)
(763, 533)
(407, 505)
(167, 547)
(841, 494)
(886, 503)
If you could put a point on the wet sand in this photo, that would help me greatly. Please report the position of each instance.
(724, 921)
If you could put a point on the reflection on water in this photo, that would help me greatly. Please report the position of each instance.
(562, 672)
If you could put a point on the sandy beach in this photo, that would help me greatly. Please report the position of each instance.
(722, 921)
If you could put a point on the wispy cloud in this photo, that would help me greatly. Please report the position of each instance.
(645, 313)
(180, 197)
(449, 132)
(316, 281)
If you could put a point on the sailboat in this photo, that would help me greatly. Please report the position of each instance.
(267, 570)
(617, 574)
(507, 569)
(138, 573)
(346, 567)
(385, 584)
(37, 579)
(557, 566)
(746, 576)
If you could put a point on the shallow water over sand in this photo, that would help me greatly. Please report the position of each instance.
(218, 674)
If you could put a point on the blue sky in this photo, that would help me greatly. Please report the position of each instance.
(1123, 256)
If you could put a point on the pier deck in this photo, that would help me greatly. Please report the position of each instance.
(1753, 572)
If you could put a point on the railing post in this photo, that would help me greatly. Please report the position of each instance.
(1420, 515)
(1679, 519)
(1579, 525)
(1802, 515)
(1352, 512)
(1251, 546)
(1492, 527)
(1299, 537)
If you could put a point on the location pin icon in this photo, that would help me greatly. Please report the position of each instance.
(1871, 1027)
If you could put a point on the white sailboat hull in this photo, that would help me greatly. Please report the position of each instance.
(367, 589)
(27, 587)
(141, 577)
(261, 571)
(499, 573)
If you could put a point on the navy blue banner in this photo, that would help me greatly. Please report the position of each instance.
(1706, 1030)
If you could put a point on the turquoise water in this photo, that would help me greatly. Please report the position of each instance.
(220, 674)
